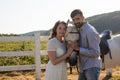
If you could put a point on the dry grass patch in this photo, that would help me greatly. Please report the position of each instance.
(30, 75)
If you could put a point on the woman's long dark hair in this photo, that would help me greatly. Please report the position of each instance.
(54, 29)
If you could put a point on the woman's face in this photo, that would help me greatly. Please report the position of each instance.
(61, 29)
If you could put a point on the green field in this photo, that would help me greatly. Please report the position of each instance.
(25, 60)
(20, 46)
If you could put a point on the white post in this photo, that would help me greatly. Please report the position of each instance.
(37, 56)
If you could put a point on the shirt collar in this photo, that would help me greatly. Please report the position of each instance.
(83, 26)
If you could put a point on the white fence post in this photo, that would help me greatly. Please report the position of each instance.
(37, 56)
(36, 53)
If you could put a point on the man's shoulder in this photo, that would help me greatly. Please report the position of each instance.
(90, 28)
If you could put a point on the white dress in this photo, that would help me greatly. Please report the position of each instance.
(59, 71)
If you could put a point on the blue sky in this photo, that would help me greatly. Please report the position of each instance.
(21, 16)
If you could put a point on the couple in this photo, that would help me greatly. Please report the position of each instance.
(89, 51)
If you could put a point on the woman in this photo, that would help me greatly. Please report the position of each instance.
(56, 68)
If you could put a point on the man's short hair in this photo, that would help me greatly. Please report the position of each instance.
(75, 12)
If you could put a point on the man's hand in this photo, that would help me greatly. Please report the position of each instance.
(73, 45)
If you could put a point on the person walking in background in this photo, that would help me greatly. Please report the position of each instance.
(89, 50)
(56, 68)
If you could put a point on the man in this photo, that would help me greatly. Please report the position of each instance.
(90, 61)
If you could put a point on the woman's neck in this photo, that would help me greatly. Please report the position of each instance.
(59, 38)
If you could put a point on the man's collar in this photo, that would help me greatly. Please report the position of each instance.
(82, 27)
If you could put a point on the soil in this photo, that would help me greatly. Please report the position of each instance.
(30, 75)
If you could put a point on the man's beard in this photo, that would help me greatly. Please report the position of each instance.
(78, 25)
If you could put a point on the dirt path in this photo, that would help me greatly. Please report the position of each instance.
(30, 75)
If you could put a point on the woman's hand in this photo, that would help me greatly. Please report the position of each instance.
(73, 45)
(69, 51)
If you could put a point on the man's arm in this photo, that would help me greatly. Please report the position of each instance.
(93, 50)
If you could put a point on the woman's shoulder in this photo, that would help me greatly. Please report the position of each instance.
(52, 40)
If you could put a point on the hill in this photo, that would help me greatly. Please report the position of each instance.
(106, 21)
(100, 22)
(42, 32)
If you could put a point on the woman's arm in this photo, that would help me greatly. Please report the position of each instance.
(56, 60)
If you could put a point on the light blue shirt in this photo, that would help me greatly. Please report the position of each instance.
(89, 47)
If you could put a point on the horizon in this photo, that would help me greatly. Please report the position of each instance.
(51, 28)
(23, 16)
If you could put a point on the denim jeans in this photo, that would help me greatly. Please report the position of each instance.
(90, 74)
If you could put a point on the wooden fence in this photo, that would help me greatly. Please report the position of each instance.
(36, 53)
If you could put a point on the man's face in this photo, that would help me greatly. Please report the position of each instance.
(78, 20)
